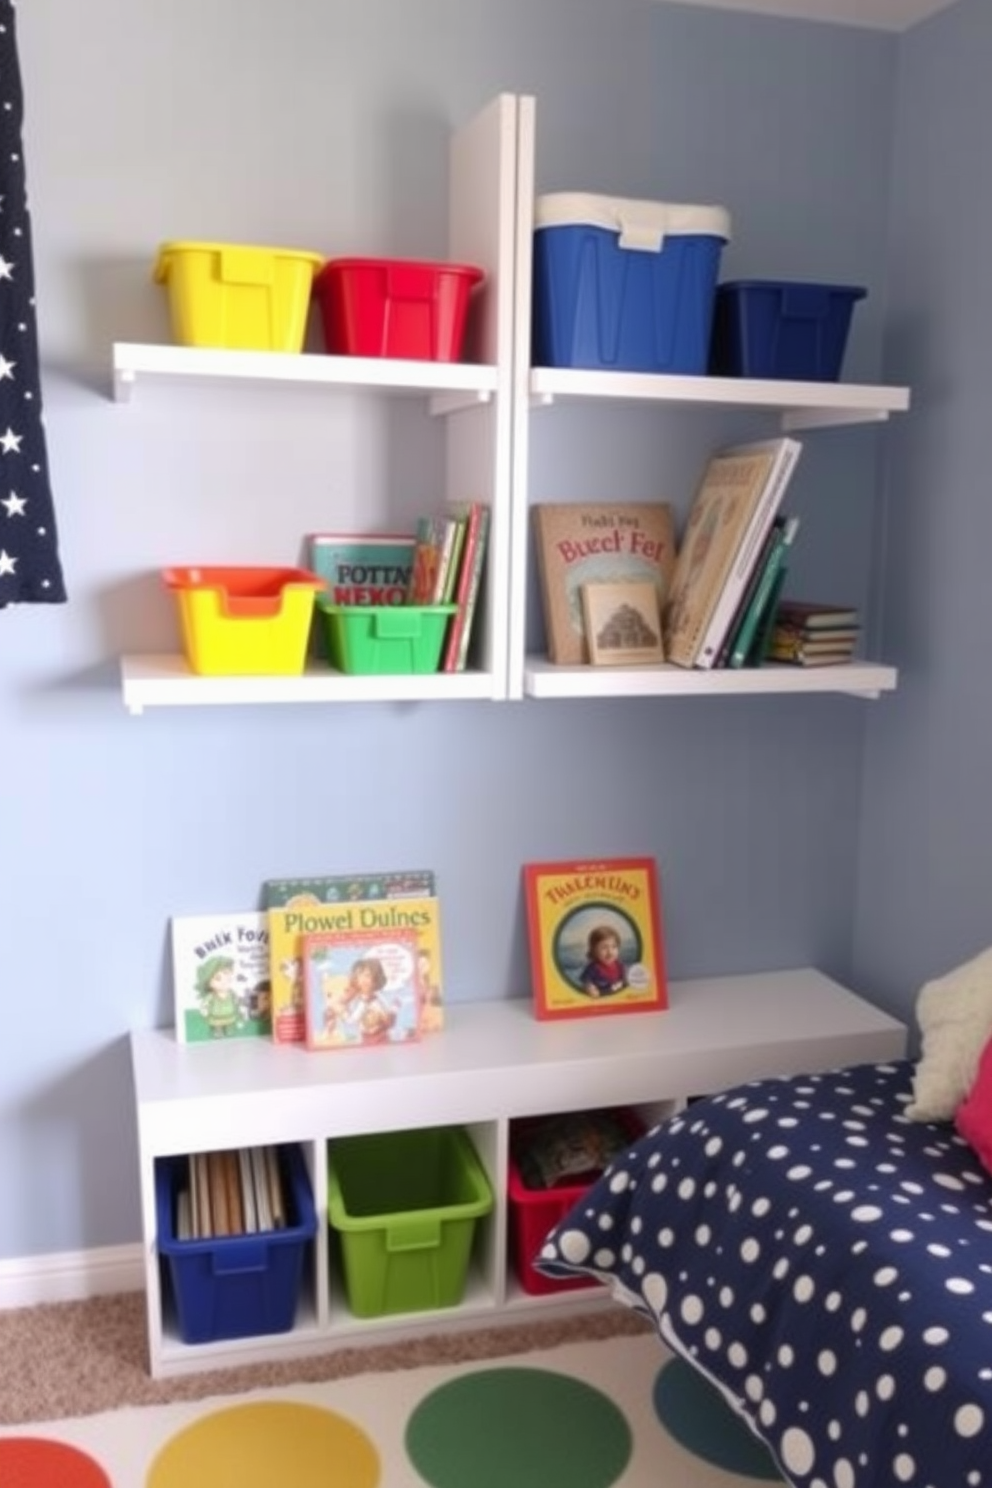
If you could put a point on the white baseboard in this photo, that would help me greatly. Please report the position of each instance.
(71, 1276)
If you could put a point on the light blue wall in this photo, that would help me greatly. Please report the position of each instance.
(926, 855)
(323, 123)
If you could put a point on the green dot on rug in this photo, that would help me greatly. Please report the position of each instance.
(695, 1413)
(532, 1428)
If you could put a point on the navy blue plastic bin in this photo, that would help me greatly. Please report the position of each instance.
(781, 329)
(625, 285)
(236, 1286)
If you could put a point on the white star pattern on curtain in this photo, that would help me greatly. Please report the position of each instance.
(30, 570)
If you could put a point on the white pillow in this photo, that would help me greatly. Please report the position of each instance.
(954, 1013)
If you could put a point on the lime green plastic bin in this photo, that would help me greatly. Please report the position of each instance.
(384, 639)
(404, 1207)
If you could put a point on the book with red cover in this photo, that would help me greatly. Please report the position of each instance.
(595, 937)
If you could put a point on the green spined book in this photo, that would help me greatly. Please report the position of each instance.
(761, 644)
(766, 590)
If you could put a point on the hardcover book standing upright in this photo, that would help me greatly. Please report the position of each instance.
(298, 907)
(601, 542)
(220, 976)
(361, 988)
(595, 936)
(733, 508)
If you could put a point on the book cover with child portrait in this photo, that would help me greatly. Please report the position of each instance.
(361, 988)
(594, 930)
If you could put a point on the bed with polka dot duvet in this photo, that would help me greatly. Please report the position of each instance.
(824, 1260)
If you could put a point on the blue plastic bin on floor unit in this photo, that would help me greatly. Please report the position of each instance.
(780, 329)
(236, 1286)
(625, 285)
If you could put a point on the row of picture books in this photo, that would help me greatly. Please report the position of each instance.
(342, 961)
(238, 1192)
(441, 562)
(329, 962)
(617, 589)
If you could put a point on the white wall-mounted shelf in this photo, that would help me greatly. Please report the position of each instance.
(799, 405)
(135, 364)
(857, 678)
(491, 221)
(492, 1063)
(154, 681)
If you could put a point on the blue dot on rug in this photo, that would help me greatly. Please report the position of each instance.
(695, 1413)
(532, 1428)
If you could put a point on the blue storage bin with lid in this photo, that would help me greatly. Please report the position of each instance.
(625, 285)
(780, 328)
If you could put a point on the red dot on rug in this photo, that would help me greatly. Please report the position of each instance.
(33, 1462)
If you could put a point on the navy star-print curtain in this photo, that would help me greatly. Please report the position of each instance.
(30, 570)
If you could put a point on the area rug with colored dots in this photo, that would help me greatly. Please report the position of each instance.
(612, 1413)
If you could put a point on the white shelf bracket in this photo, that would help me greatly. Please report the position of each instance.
(442, 404)
(798, 419)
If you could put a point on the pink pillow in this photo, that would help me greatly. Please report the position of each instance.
(973, 1117)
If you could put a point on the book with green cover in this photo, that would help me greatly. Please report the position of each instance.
(766, 589)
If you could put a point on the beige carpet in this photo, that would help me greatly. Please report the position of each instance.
(78, 1358)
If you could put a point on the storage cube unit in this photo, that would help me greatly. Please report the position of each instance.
(235, 1286)
(779, 329)
(244, 621)
(533, 1212)
(386, 307)
(384, 639)
(404, 1207)
(625, 285)
(237, 296)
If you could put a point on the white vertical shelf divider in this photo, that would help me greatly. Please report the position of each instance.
(520, 477)
(481, 222)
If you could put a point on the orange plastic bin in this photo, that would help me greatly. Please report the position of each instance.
(244, 621)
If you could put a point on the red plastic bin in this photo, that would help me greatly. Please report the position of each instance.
(534, 1212)
(391, 307)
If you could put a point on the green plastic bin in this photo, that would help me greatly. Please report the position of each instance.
(404, 1206)
(384, 639)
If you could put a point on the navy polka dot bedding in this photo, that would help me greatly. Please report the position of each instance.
(822, 1259)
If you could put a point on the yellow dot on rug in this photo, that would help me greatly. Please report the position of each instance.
(265, 1442)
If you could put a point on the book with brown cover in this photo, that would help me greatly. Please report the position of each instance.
(596, 542)
(733, 508)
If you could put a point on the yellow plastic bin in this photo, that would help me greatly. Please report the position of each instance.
(384, 639)
(403, 1207)
(237, 296)
(244, 621)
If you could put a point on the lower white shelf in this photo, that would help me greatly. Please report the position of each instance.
(493, 1062)
(542, 679)
(154, 681)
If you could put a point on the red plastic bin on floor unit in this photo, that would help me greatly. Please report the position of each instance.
(391, 307)
(534, 1212)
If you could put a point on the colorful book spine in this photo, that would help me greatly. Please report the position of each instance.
(749, 551)
(768, 584)
(466, 595)
(432, 559)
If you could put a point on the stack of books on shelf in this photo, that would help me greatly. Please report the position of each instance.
(231, 1193)
(733, 558)
(809, 634)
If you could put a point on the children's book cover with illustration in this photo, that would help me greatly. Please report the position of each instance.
(594, 930)
(360, 988)
(362, 568)
(389, 907)
(221, 976)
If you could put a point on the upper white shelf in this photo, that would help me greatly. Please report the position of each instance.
(859, 678)
(802, 405)
(134, 362)
(166, 681)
